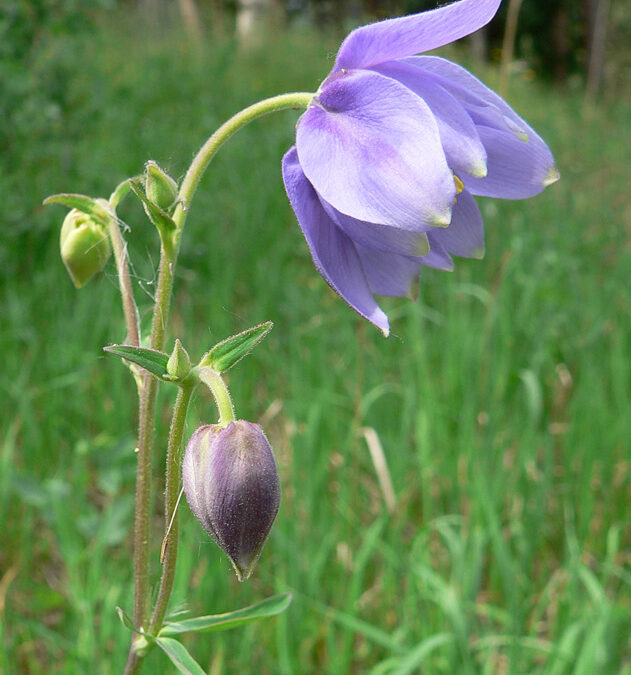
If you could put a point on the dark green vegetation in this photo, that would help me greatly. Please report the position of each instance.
(501, 401)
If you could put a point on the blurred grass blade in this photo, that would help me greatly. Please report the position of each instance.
(149, 359)
(412, 662)
(368, 630)
(81, 203)
(269, 607)
(179, 656)
(231, 350)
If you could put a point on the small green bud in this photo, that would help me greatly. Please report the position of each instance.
(179, 363)
(85, 246)
(160, 188)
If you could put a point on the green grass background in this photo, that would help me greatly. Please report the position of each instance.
(502, 399)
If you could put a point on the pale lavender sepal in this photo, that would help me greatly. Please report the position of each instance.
(465, 235)
(389, 273)
(380, 237)
(371, 148)
(438, 257)
(519, 162)
(396, 38)
(517, 169)
(458, 133)
(333, 252)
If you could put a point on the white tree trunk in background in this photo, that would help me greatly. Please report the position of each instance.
(255, 20)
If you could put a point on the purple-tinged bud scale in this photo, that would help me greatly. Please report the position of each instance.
(231, 484)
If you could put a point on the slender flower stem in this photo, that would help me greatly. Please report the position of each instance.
(213, 380)
(168, 258)
(208, 150)
(172, 490)
(129, 304)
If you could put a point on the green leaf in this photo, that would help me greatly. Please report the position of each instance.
(161, 219)
(82, 203)
(269, 607)
(231, 350)
(179, 656)
(125, 620)
(149, 359)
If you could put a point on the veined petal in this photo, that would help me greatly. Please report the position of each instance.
(333, 252)
(469, 90)
(458, 134)
(371, 148)
(389, 273)
(396, 38)
(379, 237)
(517, 169)
(519, 162)
(465, 235)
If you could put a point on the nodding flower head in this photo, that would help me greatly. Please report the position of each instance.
(391, 151)
(231, 484)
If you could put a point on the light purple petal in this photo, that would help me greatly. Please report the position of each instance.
(333, 252)
(380, 237)
(438, 258)
(458, 134)
(396, 38)
(519, 162)
(465, 235)
(389, 273)
(517, 169)
(371, 148)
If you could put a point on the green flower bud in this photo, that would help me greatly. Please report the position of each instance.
(179, 363)
(160, 188)
(85, 246)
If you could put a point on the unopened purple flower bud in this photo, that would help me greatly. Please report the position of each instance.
(231, 484)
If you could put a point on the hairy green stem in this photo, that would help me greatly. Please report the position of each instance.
(168, 260)
(171, 495)
(213, 380)
(208, 150)
(122, 266)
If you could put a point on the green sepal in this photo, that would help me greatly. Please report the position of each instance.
(149, 359)
(215, 622)
(93, 207)
(161, 219)
(179, 656)
(160, 188)
(231, 350)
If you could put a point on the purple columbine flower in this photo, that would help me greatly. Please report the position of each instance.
(231, 483)
(391, 150)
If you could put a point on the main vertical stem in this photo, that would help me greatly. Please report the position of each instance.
(171, 495)
(148, 393)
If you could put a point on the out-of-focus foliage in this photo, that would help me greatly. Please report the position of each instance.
(33, 62)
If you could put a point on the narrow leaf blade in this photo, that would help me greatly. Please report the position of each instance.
(149, 359)
(179, 656)
(80, 202)
(231, 350)
(269, 607)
